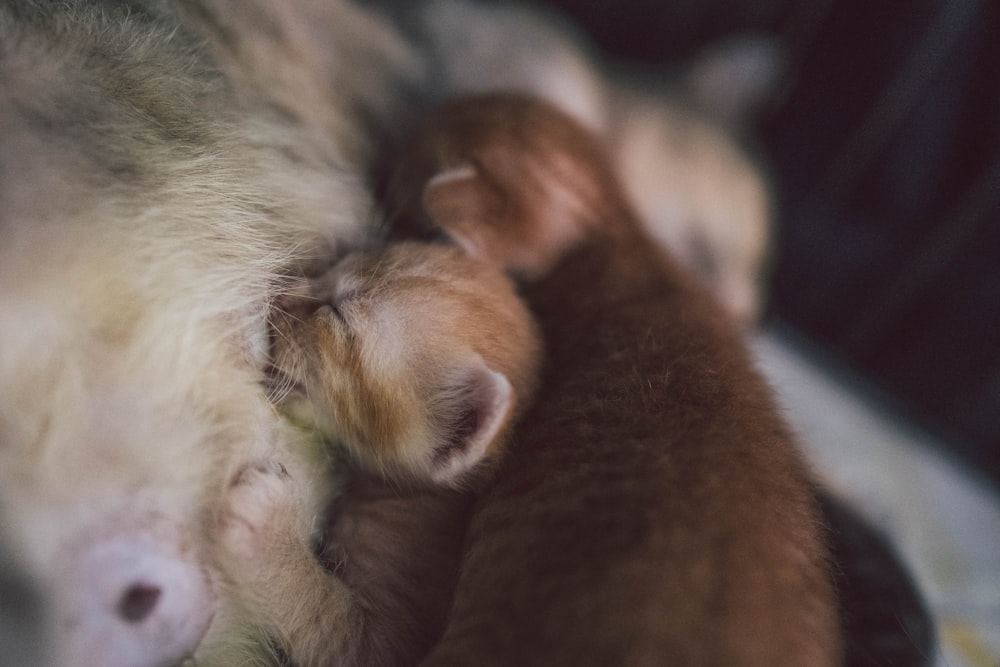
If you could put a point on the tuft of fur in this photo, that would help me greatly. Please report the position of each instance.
(654, 508)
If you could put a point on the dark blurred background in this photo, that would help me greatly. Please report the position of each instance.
(885, 146)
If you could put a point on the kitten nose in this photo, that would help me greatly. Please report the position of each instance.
(132, 601)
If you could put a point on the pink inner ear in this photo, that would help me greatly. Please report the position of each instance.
(481, 405)
(453, 195)
(458, 173)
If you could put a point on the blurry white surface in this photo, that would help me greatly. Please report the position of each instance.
(943, 519)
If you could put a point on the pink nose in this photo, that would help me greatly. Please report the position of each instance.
(132, 600)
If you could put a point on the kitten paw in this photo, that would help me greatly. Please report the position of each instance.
(261, 509)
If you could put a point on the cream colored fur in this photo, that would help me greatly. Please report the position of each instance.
(147, 223)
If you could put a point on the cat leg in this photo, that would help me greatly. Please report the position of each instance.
(266, 549)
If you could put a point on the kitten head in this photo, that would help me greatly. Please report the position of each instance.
(511, 179)
(415, 357)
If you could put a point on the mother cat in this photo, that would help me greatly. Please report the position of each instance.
(165, 167)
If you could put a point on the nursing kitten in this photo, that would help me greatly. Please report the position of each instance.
(415, 357)
(653, 508)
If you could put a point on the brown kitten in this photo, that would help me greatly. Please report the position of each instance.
(414, 356)
(653, 509)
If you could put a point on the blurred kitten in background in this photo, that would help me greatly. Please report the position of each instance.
(677, 137)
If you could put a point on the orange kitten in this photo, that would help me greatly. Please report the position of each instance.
(653, 509)
(417, 359)
(414, 356)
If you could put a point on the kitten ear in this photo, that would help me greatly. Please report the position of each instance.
(459, 200)
(472, 412)
(739, 77)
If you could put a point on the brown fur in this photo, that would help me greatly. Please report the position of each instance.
(399, 549)
(653, 509)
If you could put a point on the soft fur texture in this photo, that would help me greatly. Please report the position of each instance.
(168, 168)
(414, 356)
(147, 222)
(654, 509)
